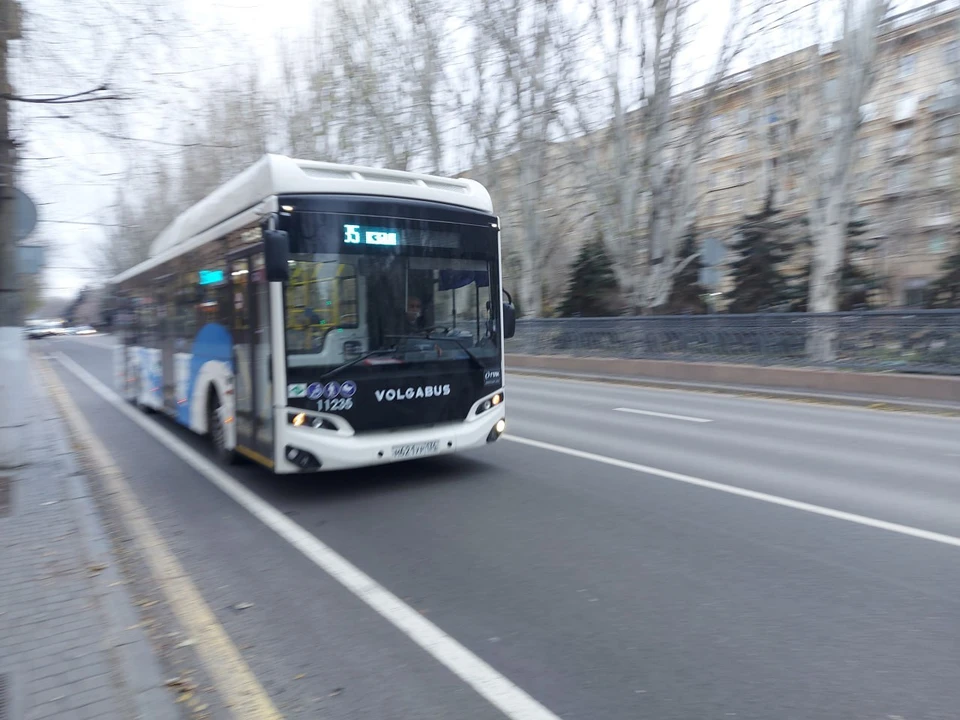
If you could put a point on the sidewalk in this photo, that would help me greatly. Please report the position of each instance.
(70, 645)
(869, 401)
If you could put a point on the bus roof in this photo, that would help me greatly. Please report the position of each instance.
(275, 175)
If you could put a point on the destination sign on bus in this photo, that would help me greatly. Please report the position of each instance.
(363, 235)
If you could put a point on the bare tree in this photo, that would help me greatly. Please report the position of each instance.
(380, 97)
(524, 43)
(840, 81)
(640, 134)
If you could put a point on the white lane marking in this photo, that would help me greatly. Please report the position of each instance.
(491, 685)
(686, 418)
(743, 492)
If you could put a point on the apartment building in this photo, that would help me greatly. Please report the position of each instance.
(905, 177)
(763, 125)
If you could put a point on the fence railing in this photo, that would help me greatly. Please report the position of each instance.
(924, 341)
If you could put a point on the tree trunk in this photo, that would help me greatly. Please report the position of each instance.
(531, 289)
(825, 289)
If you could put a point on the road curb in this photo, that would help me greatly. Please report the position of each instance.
(135, 657)
(754, 393)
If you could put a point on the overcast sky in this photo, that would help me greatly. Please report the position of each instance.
(74, 173)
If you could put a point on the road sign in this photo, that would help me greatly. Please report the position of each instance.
(24, 215)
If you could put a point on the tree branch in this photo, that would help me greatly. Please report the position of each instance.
(65, 99)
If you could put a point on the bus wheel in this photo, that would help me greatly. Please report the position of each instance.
(218, 435)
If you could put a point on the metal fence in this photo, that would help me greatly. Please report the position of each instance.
(924, 341)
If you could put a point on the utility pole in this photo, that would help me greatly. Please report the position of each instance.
(13, 356)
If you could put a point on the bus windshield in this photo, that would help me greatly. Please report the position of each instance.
(390, 309)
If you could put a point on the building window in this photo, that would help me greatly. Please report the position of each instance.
(951, 52)
(868, 112)
(743, 144)
(906, 107)
(900, 180)
(938, 243)
(711, 207)
(906, 66)
(944, 134)
(830, 89)
(901, 140)
(915, 292)
(716, 123)
(947, 89)
(942, 171)
(864, 147)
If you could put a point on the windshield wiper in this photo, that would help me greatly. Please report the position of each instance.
(351, 363)
(477, 362)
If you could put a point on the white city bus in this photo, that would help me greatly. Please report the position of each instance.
(312, 316)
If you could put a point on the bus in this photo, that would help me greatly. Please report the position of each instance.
(313, 316)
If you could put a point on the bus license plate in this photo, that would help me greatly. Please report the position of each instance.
(413, 450)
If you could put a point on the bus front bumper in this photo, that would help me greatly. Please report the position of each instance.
(306, 449)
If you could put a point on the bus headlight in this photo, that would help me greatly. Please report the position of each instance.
(489, 403)
(302, 419)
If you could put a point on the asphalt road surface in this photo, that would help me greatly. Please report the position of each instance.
(603, 589)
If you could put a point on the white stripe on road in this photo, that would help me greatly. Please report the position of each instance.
(491, 685)
(743, 492)
(685, 418)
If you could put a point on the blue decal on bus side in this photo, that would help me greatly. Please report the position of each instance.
(213, 342)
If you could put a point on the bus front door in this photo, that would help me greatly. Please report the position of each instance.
(250, 327)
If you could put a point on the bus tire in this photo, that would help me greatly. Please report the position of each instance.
(217, 432)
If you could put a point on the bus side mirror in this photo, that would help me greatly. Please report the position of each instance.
(509, 320)
(276, 255)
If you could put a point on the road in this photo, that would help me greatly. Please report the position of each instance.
(697, 556)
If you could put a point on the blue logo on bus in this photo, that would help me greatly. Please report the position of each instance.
(331, 390)
(315, 391)
(348, 389)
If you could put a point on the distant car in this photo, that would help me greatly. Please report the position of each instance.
(44, 330)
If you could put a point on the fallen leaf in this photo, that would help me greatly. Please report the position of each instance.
(301, 676)
(243, 606)
(187, 643)
(201, 708)
(335, 692)
(181, 684)
(185, 697)
(95, 569)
